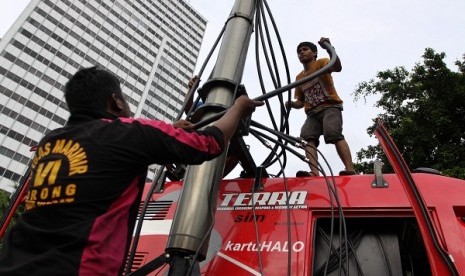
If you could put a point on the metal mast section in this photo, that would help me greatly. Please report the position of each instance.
(194, 217)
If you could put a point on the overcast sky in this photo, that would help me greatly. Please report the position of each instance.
(369, 36)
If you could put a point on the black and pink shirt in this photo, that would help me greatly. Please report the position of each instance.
(85, 190)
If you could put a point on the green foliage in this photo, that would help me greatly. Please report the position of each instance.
(424, 112)
(4, 204)
(4, 199)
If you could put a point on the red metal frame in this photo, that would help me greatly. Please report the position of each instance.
(439, 258)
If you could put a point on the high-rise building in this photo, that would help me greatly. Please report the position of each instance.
(151, 45)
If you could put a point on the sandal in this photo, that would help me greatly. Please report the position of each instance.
(304, 174)
(344, 172)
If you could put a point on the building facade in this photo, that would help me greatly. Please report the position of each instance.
(152, 45)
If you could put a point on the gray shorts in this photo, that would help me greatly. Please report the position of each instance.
(328, 123)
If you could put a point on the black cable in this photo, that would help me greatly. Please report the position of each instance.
(258, 134)
(332, 217)
(281, 47)
(297, 141)
(161, 269)
(288, 214)
(332, 254)
(331, 184)
(288, 224)
(342, 223)
(258, 35)
(385, 254)
(411, 265)
(284, 123)
(352, 242)
(159, 262)
(196, 83)
(332, 190)
(136, 236)
(352, 247)
(275, 77)
(257, 238)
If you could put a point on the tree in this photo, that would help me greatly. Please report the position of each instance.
(5, 202)
(424, 112)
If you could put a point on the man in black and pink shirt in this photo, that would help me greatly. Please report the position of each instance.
(87, 179)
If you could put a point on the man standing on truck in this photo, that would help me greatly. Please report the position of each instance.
(322, 106)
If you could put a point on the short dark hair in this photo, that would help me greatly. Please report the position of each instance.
(309, 45)
(91, 87)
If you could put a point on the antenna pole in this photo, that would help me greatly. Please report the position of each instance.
(194, 218)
